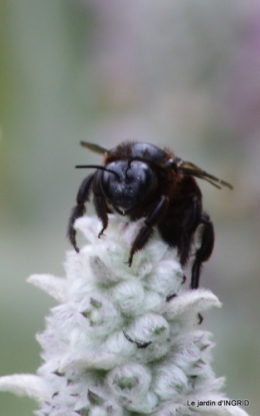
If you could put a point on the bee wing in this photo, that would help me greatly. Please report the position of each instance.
(194, 170)
(94, 147)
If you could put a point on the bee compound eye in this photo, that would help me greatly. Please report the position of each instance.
(108, 183)
(113, 179)
(143, 179)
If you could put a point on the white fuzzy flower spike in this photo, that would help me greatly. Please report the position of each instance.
(123, 341)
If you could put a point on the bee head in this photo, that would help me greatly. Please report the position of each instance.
(127, 183)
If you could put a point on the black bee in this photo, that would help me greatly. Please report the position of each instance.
(140, 180)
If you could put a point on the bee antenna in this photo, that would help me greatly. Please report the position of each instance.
(97, 167)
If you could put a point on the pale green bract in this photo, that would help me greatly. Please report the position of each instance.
(123, 340)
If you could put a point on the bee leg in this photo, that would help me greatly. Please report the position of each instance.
(147, 229)
(79, 209)
(100, 203)
(191, 219)
(205, 250)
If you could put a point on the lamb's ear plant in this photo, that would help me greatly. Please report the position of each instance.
(123, 340)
